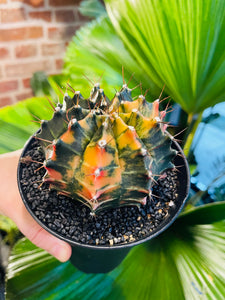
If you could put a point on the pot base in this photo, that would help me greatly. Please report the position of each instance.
(97, 260)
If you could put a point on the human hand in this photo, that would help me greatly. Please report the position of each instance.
(11, 205)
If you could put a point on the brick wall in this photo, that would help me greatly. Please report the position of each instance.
(33, 37)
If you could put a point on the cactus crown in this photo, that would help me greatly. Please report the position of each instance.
(105, 154)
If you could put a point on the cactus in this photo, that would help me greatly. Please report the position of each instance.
(105, 154)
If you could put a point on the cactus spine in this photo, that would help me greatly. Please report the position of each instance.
(105, 154)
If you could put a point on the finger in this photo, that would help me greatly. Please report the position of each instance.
(41, 238)
(13, 207)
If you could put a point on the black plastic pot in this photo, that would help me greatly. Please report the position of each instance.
(103, 259)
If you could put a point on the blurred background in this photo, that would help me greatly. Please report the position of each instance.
(175, 49)
(33, 37)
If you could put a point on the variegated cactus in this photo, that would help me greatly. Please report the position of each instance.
(105, 154)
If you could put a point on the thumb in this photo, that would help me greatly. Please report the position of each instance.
(41, 238)
(12, 206)
(34, 232)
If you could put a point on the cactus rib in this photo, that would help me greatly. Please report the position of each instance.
(105, 154)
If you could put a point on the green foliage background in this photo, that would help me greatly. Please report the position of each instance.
(177, 43)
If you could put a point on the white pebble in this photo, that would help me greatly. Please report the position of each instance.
(171, 203)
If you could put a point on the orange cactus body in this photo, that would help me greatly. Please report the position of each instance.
(110, 152)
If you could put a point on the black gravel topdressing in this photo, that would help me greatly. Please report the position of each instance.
(71, 219)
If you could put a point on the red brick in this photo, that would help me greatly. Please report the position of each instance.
(65, 16)
(62, 33)
(41, 15)
(12, 34)
(7, 86)
(59, 64)
(25, 95)
(4, 53)
(5, 100)
(27, 69)
(26, 83)
(22, 33)
(53, 49)
(34, 32)
(12, 15)
(63, 2)
(34, 3)
(25, 51)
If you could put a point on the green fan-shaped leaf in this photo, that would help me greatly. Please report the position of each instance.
(97, 50)
(177, 43)
(16, 124)
(206, 214)
(40, 85)
(92, 8)
(187, 261)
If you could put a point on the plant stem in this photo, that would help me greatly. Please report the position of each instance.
(193, 122)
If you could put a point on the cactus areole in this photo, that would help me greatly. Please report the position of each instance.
(104, 153)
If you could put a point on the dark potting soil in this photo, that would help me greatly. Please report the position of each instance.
(72, 219)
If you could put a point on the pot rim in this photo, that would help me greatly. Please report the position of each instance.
(167, 222)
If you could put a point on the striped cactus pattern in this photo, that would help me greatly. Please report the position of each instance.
(106, 153)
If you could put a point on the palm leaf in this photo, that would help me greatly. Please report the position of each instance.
(179, 43)
(92, 8)
(185, 262)
(97, 50)
(206, 214)
(15, 122)
(40, 85)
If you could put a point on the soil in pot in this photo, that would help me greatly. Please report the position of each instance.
(71, 219)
